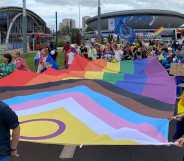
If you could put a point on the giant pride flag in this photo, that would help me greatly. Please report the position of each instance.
(88, 112)
(93, 103)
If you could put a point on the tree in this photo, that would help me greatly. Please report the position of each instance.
(65, 30)
(67, 33)
(76, 36)
(89, 29)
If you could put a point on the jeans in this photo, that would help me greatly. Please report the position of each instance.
(36, 63)
(179, 129)
(179, 80)
(6, 158)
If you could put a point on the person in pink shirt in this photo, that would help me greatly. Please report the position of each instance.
(19, 61)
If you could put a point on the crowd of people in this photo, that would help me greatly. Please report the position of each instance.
(166, 53)
(43, 60)
(10, 62)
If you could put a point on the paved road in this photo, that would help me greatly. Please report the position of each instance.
(38, 152)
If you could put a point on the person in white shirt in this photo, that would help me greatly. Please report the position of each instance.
(37, 59)
(71, 56)
(92, 53)
(118, 52)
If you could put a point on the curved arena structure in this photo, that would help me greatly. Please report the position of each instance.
(141, 19)
(125, 21)
(11, 25)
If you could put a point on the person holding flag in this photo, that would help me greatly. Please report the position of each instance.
(46, 61)
(8, 141)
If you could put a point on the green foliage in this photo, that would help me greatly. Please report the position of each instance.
(65, 30)
(67, 33)
(0, 58)
(110, 38)
(61, 41)
(76, 36)
(89, 29)
(30, 60)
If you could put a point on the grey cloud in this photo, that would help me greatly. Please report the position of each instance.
(177, 5)
(9, 2)
(69, 2)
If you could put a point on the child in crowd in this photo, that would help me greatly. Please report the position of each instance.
(7, 67)
(19, 61)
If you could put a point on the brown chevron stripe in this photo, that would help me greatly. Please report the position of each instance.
(126, 101)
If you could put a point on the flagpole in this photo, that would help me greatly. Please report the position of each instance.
(56, 16)
(79, 15)
(99, 19)
(24, 27)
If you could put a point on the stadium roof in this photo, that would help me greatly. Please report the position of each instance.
(138, 12)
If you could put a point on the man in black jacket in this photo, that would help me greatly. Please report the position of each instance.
(8, 141)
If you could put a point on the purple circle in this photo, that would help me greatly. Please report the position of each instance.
(60, 130)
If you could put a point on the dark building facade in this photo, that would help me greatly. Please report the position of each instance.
(11, 26)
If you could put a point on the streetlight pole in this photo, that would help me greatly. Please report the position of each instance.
(79, 15)
(56, 30)
(24, 27)
(99, 19)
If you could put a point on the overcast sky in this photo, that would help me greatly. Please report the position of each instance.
(69, 8)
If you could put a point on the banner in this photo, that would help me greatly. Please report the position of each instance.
(111, 24)
(177, 69)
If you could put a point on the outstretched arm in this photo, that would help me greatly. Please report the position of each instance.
(15, 141)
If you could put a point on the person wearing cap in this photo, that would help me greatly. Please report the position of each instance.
(7, 67)
(8, 141)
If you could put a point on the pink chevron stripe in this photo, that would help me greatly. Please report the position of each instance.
(96, 109)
